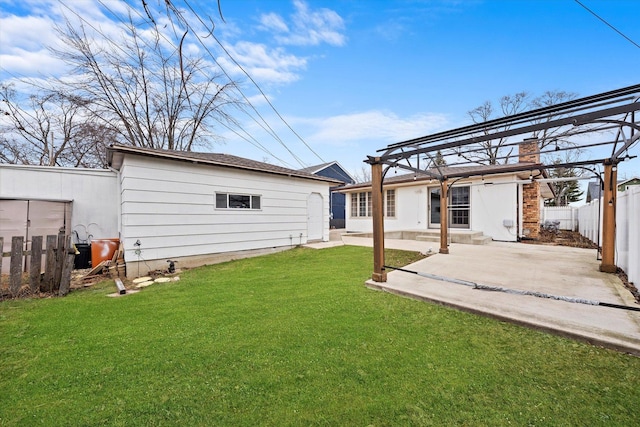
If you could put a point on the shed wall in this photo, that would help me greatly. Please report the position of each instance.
(169, 206)
(93, 192)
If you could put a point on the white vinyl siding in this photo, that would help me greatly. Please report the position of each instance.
(489, 205)
(170, 206)
(94, 193)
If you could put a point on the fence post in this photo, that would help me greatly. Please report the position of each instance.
(47, 284)
(67, 256)
(36, 263)
(15, 269)
(60, 257)
(1, 249)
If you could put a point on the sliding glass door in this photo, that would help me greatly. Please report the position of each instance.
(458, 203)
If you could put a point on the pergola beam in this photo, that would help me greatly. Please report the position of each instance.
(577, 120)
(618, 95)
(616, 108)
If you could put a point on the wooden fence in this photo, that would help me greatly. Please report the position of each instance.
(57, 269)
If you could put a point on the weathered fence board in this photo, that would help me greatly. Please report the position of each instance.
(60, 254)
(67, 257)
(15, 268)
(47, 283)
(36, 263)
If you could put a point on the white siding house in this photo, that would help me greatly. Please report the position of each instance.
(490, 204)
(200, 208)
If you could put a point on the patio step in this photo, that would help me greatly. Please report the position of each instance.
(481, 240)
(428, 238)
(457, 236)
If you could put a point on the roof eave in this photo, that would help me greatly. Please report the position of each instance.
(115, 155)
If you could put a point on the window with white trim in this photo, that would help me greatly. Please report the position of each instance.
(354, 204)
(361, 204)
(238, 201)
(391, 203)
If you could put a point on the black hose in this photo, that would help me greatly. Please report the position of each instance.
(515, 291)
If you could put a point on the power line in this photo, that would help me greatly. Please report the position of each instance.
(608, 24)
(250, 139)
(119, 19)
(268, 128)
(252, 81)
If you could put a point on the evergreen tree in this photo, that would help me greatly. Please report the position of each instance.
(439, 160)
(565, 191)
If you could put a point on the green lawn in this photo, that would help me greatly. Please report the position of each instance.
(294, 339)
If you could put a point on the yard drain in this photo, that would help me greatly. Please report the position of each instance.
(481, 287)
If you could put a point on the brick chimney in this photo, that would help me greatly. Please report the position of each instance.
(529, 152)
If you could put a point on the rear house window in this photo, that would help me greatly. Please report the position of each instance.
(237, 201)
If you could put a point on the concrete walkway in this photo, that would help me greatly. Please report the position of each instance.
(555, 270)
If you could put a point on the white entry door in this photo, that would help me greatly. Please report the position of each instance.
(315, 217)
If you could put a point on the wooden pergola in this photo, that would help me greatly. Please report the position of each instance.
(610, 115)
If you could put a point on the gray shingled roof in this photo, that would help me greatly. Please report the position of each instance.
(313, 169)
(217, 159)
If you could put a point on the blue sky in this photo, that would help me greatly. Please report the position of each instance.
(351, 77)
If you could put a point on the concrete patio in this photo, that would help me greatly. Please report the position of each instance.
(556, 270)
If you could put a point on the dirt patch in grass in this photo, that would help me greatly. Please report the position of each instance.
(78, 281)
(563, 238)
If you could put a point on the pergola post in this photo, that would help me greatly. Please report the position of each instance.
(444, 217)
(609, 218)
(377, 202)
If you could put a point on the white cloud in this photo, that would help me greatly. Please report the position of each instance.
(274, 22)
(266, 64)
(26, 38)
(28, 64)
(380, 127)
(308, 27)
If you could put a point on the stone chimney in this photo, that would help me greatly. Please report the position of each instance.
(529, 152)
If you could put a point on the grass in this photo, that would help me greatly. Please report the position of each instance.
(294, 338)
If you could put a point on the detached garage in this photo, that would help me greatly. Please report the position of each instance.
(200, 208)
(194, 208)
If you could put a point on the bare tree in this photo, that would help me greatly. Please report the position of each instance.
(500, 150)
(48, 128)
(363, 174)
(145, 89)
(547, 137)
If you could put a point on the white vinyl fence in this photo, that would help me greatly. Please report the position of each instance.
(627, 229)
(567, 215)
